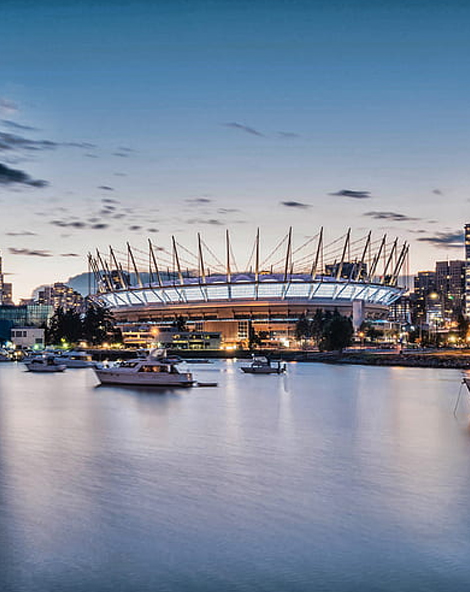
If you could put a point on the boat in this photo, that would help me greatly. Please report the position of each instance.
(263, 365)
(4, 355)
(44, 363)
(155, 370)
(75, 359)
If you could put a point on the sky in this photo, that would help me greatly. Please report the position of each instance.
(123, 121)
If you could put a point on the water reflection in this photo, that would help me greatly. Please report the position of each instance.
(345, 477)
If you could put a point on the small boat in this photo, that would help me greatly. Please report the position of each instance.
(75, 359)
(44, 364)
(154, 370)
(262, 365)
(4, 355)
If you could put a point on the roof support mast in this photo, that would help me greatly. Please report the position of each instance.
(389, 260)
(202, 271)
(178, 266)
(227, 245)
(257, 257)
(398, 266)
(363, 259)
(117, 268)
(376, 259)
(314, 270)
(136, 271)
(106, 275)
(288, 255)
(346, 243)
(155, 264)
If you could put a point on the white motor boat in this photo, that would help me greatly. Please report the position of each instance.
(154, 370)
(262, 365)
(45, 363)
(75, 359)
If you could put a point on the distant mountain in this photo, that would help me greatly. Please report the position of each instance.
(82, 283)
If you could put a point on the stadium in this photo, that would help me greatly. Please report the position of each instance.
(157, 286)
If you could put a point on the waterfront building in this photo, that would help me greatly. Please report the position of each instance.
(265, 298)
(22, 315)
(32, 337)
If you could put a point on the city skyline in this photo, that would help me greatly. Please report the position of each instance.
(122, 122)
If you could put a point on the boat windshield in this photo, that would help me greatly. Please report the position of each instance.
(127, 364)
(168, 369)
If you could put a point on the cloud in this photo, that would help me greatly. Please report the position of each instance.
(13, 142)
(99, 226)
(352, 194)
(295, 204)
(244, 128)
(199, 200)
(85, 145)
(106, 188)
(9, 141)
(152, 230)
(227, 210)
(445, 239)
(135, 227)
(7, 106)
(210, 221)
(108, 200)
(288, 135)
(18, 126)
(9, 176)
(69, 255)
(29, 253)
(22, 233)
(72, 224)
(392, 216)
(437, 192)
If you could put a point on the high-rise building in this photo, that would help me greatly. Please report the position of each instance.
(424, 286)
(467, 270)
(450, 286)
(6, 289)
(60, 295)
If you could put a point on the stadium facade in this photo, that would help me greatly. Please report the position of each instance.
(156, 287)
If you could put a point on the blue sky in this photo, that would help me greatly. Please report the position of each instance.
(146, 119)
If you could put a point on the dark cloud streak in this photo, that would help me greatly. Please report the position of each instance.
(352, 194)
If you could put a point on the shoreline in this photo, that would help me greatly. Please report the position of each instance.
(429, 359)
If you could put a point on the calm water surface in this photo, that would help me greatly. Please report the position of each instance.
(326, 479)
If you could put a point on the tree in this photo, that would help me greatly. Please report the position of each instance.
(463, 325)
(303, 329)
(98, 325)
(65, 325)
(254, 340)
(338, 332)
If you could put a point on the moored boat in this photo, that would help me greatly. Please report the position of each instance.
(44, 364)
(75, 359)
(262, 365)
(4, 355)
(155, 370)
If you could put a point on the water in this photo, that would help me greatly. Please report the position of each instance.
(331, 478)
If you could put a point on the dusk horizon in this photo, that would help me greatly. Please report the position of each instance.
(121, 122)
